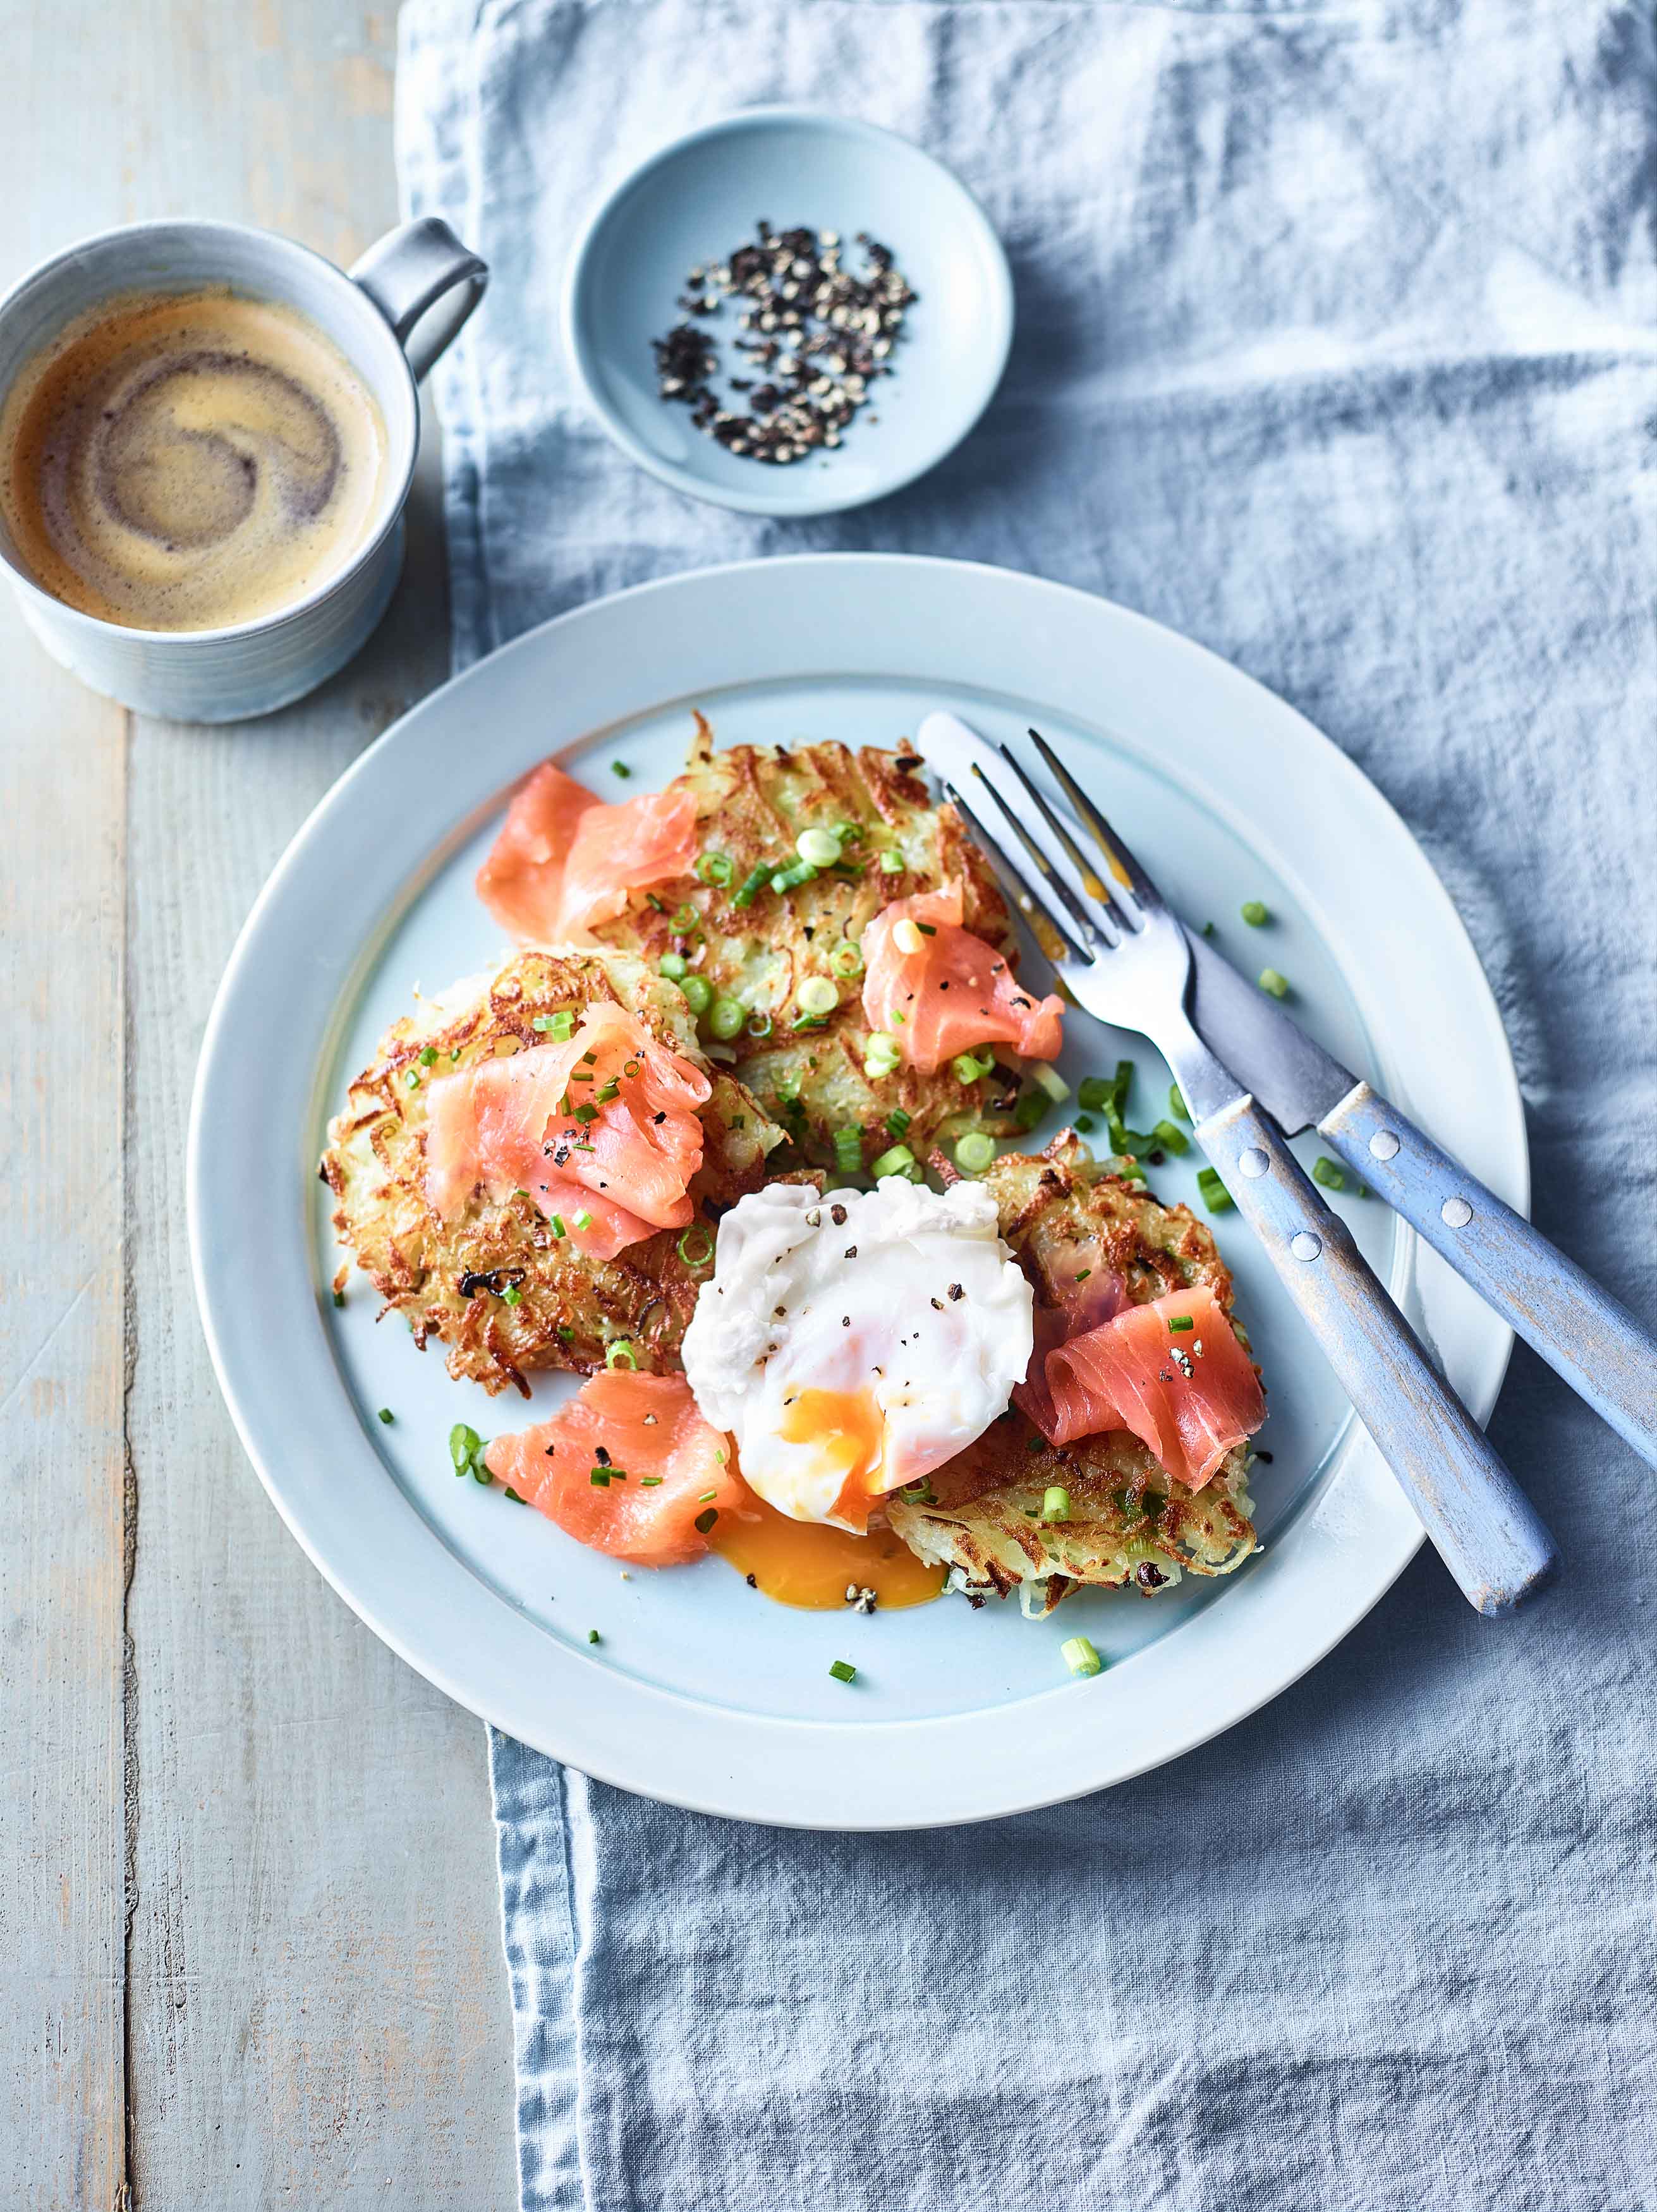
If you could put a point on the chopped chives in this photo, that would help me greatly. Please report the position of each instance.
(706, 1497)
(1029, 1109)
(512, 1295)
(599, 1478)
(1055, 1503)
(1181, 1324)
(557, 1226)
(752, 885)
(586, 1113)
(621, 768)
(592, 1636)
(339, 1298)
(1272, 981)
(584, 1219)
(428, 1058)
(1208, 929)
(844, 1671)
(1255, 914)
(1080, 1656)
(1216, 1197)
(387, 1415)
(974, 1150)
(651, 1481)
(695, 1245)
(412, 1078)
(611, 1090)
(684, 918)
(566, 1335)
(1085, 1124)
(515, 1498)
(704, 1521)
(1328, 1172)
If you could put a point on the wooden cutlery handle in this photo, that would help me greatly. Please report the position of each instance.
(1485, 1528)
(1579, 1330)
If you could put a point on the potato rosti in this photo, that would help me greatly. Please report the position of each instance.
(1127, 1521)
(495, 1284)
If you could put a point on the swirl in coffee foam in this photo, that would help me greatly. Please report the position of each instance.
(187, 462)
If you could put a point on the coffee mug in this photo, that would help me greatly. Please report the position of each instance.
(391, 318)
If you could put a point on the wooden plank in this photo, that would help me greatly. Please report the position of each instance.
(316, 2006)
(62, 1820)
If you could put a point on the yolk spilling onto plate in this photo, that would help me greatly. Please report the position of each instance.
(805, 1563)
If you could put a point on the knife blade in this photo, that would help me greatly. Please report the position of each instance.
(1296, 1081)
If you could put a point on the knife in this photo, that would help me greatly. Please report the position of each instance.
(1580, 1330)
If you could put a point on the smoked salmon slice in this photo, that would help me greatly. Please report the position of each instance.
(667, 1474)
(603, 1131)
(948, 991)
(1170, 1371)
(566, 859)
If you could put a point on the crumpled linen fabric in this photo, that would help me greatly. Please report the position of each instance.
(1336, 330)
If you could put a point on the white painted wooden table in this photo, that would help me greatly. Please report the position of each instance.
(248, 1926)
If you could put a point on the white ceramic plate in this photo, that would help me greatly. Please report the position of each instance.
(701, 1691)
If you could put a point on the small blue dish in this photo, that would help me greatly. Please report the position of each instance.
(693, 203)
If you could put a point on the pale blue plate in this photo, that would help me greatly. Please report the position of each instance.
(694, 203)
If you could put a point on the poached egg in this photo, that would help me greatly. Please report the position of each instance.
(854, 1341)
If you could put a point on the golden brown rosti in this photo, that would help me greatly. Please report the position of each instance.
(1129, 1523)
(893, 839)
(447, 1278)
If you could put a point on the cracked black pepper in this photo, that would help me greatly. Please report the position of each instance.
(816, 334)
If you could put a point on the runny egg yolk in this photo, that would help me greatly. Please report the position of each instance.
(849, 1432)
(805, 1562)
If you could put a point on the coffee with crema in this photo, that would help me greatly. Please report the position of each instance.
(190, 461)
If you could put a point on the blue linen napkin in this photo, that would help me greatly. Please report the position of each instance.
(1337, 328)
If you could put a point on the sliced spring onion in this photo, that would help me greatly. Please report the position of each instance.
(847, 960)
(695, 1245)
(974, 1150)
(1181, 1324)
(897, 1159)
(727, 1016)
(599, 1478)
(760, 1025)
(592, 1636)
(684, 917)
(1171, 1140)
(674, 966)
(1330, 1173)
(882, 1056)
(972, 1068)
(1272, 981)
(1044, 1072)
(584, 1219)
(698, 992)
(844, 1671)
(897, 1122)
(1079, 1655)
(892, 864)
(387, 1415)
(587, 1114)
(1176, 1102)
(1255, 913)
(621, 1353)
(556, 1223)
(704, 1521)
(1129, 1169)
(1216, 1197)
(817, 995)
(791, 878)
(752, 885)
(610, 1090)
(906, 937)
(820, 846)
(848, 1151)
(715, 868)
(428, 1058)
(848, 832)
(1055, 1503)
(412, 1078)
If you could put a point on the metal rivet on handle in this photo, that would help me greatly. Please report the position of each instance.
(1455, 1213)
(1384, 1145)
(1305, 1245)
(1254, 1162)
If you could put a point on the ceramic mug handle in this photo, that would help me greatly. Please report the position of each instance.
(409, 271)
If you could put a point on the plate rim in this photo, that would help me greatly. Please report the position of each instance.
(759, 502)
(832, 1791)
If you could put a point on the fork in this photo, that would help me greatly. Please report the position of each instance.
(1124, 958)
